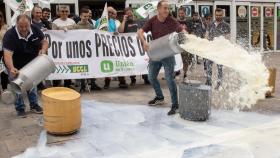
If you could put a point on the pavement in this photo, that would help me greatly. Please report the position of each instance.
(17, 134)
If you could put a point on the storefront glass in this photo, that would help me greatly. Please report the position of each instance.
(268, 34)
(205, 9)
(189, 10)
(242, 25)
(255, 26)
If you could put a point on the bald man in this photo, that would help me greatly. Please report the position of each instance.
(22, 43)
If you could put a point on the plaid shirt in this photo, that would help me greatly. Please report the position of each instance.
(221, 29)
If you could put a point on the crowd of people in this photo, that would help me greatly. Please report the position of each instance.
(25, 41)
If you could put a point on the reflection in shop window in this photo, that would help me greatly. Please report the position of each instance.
(255, 26)
(242, 25)
(226, 10)
(268, 34)
(205, 9)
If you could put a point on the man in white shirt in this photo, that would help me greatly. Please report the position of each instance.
(63, 22)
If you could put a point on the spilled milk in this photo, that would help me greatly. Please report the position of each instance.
(252, 72)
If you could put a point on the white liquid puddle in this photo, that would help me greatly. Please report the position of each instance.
(118, 131)
(152, 134)
(253, 74)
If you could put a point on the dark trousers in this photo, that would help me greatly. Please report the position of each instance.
(154, 69)
(121, 80)
(144, 77)
(4, 80)
(67, 83)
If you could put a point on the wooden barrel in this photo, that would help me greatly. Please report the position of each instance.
(62, 110)
(271, 81)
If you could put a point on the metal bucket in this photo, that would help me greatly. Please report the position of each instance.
(166, 46)
(33, 73)
(8, 97)
(194, 101)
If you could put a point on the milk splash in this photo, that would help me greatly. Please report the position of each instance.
(250, 67)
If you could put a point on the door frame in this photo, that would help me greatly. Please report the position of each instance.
(276, 26)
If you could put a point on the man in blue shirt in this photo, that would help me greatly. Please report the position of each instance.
(22, 43)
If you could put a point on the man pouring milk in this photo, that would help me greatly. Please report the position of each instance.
(160, 25)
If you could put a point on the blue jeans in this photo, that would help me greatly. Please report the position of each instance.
(209, 65)
(154, 69)
(32, 97)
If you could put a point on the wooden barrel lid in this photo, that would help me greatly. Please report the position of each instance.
(61, 93)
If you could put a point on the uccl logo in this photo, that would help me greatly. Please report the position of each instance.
(107, 66)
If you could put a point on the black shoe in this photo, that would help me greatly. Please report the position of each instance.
(218, 86)
(173, 111)
(147, 82)
(83, 89)
(36, 109)
(177, 73)
(156, 101)
(123, 85)
(106, 86)
(21, 113)
(132, 84)
(208, 83)
(94, 87)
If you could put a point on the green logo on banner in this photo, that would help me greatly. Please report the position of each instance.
(78, 68)
(107, 66)
(18, 1)
(71, 69)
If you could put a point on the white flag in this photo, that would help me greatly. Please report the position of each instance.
(103, 21)
(148, 8)
(19, 7)
(15, 4)
(45, 3)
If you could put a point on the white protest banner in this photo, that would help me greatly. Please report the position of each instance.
(96, 54)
